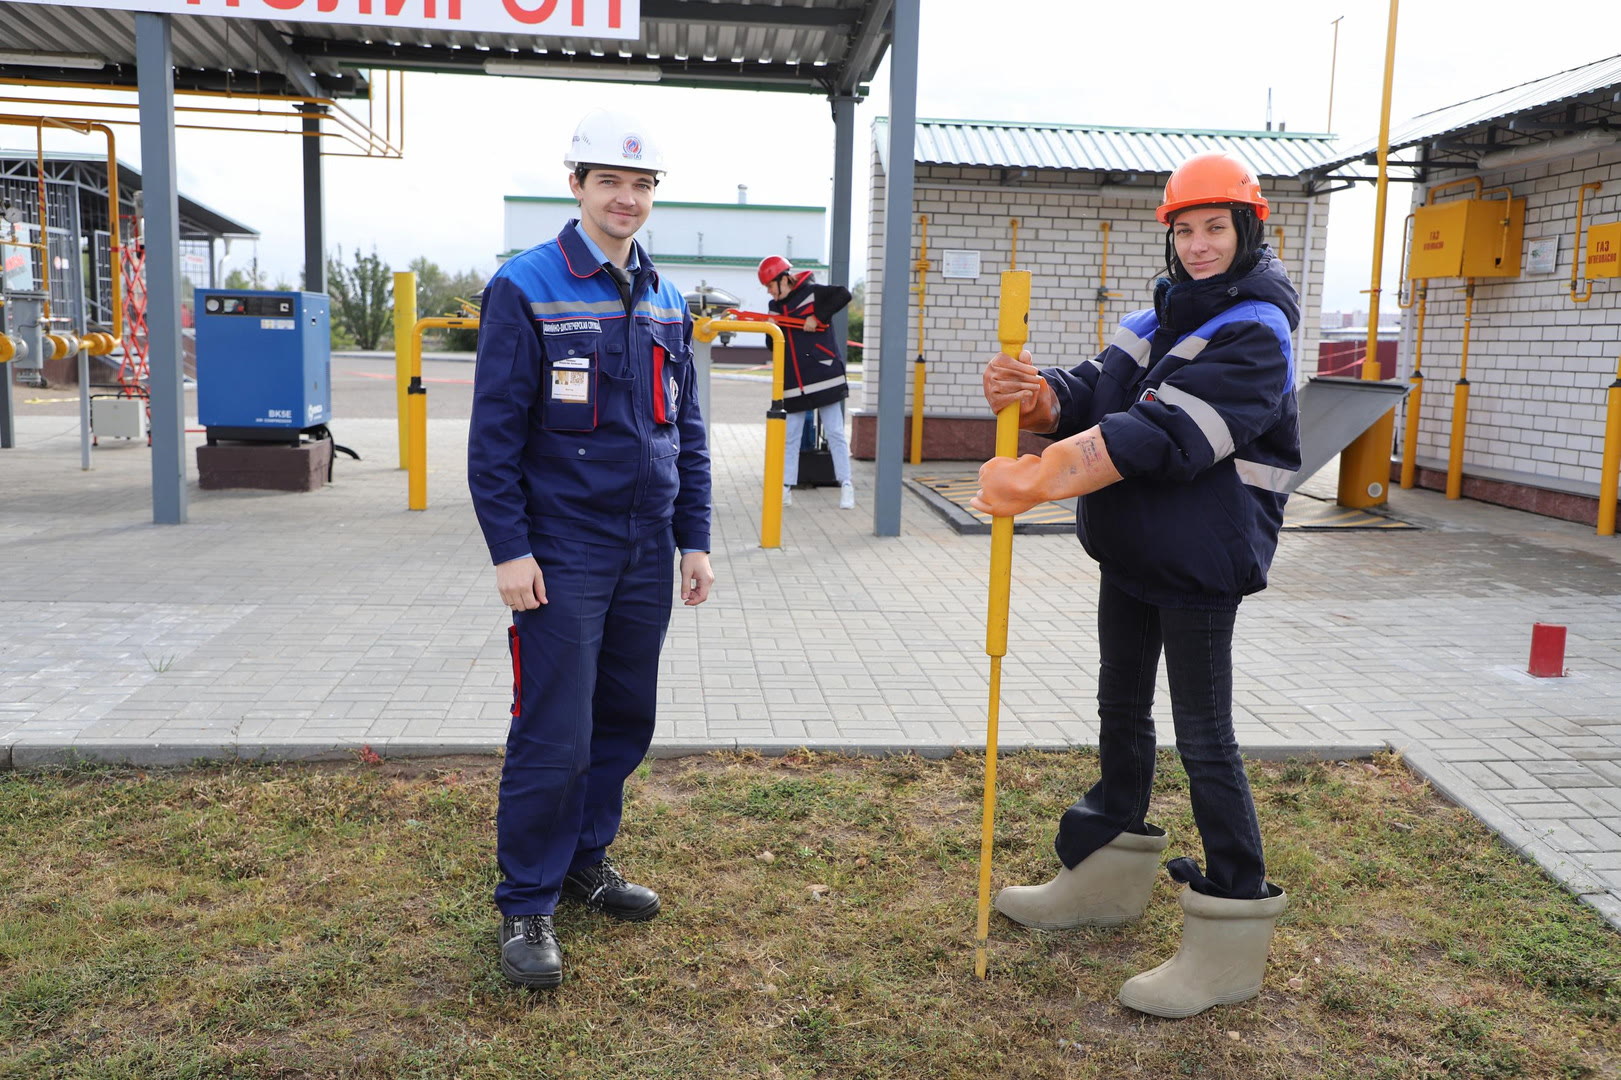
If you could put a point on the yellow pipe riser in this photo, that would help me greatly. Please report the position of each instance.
(417, 482)
(776, 424)
(1409, 441)
(1460, 420)
(8, 348)
(919, 382)
(405, 317)
(1610, 471)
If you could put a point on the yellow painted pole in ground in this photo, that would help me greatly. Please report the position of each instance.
(919, 378)
(416, 396)
(776, 419)
(1460, 401)
(1012, 330)
(1365, 464)
(405, 317)
(1611, 468)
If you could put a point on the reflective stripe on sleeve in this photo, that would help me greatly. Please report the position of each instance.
(1209, 420)
(1265, 477)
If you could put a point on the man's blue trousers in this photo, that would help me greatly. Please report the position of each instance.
(585, 683)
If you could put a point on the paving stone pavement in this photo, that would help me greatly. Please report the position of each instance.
(307, 625)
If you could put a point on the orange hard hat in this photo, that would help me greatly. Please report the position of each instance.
(773, 267)
(1211, 179)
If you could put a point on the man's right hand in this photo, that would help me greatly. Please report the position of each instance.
(1007, 380)
(520, 583)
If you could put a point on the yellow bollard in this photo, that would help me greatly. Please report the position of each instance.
(919, 374)
(776, 419)
(1608, 473)
(1460, 401)
(405, 317)
(1012, 331)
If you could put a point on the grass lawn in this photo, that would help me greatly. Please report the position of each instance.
(335, 921)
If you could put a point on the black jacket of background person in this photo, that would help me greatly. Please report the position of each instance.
(813, 369)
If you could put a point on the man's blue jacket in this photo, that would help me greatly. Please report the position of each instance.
(1195, 399)
(585, 417)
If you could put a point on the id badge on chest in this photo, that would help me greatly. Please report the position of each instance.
(571, 379)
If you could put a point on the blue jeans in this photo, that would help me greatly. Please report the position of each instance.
(1198, 647)
(838, 444)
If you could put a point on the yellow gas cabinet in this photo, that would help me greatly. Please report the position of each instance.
(1603, 251)
(1468, 238)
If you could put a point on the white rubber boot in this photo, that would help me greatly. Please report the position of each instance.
(1222, 958)
(1107, 888)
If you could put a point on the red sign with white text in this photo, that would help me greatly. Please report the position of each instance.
(554, 18)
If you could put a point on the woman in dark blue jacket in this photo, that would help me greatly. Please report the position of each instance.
(1180, 440)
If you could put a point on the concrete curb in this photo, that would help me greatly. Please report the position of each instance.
(25, 755)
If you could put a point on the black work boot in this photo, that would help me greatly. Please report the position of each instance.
(530, 955)
(602, 888)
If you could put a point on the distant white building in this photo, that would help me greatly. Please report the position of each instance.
(694, 243)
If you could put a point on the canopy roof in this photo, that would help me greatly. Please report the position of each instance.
(829, 47)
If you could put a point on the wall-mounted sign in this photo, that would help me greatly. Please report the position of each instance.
(563, 18)
(1541, 254)
(959, 264)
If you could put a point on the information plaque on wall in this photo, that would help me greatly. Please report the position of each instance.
(959, 264)
(1541, 254)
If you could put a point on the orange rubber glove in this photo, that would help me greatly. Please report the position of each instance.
(1075, 466)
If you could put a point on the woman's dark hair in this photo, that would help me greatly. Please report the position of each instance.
(1250, 238)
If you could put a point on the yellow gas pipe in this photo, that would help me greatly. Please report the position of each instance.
(98, 343)
(1365, 464)
(1576, 247)
(1415, 396)
(776, 419)
(1104, 295)
(918, 376)
(1611, 468)
(1012, 331)
(1460, 401)
(416, 396)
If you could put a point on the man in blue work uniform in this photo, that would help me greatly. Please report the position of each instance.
(589, 468)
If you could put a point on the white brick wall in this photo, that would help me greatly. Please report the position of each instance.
(1061, 242)
(1539, 364)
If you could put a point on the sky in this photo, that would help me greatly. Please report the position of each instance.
(1173, 64)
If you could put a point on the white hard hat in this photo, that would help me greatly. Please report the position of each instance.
(614, 141)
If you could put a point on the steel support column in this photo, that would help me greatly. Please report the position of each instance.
(886, 508)
(838, 259)
(314, 204)
(154, 62)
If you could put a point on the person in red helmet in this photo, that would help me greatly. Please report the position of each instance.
(813, 373)
(1181, 441)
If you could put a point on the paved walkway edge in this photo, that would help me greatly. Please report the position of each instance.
(1522, 840)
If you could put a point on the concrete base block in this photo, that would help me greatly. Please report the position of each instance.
(268, 466)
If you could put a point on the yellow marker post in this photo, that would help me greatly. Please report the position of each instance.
(416, 396)
(776, 419)
(405, 317)
(1012, 331)
(1611, 467)
(919, 377)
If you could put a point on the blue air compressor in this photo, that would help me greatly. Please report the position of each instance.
(264, 364)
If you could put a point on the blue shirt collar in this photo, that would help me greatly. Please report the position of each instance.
(632, 264)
